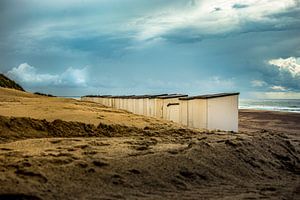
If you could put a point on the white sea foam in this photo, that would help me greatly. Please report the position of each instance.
(292, 105)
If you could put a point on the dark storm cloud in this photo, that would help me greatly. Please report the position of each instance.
(136, 46)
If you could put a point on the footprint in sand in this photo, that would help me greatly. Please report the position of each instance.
(89, 152)
(55, 141)
(82, 164)
(5, 149)
(117, 179)
(31, 175)
(82, 146)
(95, 143)
(134, 171)
(99, 163)
(19, 196)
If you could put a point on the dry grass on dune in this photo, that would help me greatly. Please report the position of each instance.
(16, 128)
(21, 104)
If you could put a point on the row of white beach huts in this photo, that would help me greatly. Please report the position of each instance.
(212, 112)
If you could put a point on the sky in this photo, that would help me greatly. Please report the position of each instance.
(80, 47)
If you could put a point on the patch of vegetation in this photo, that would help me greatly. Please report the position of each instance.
(7, 83)
(42, 94)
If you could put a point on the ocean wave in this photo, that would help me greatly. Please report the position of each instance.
(271, 108)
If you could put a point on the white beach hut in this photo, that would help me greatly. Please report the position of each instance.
(118, 102)
(213, 112)
(130, 104)
(109, 101)
(113, 101)
(162, 102)
(125, 102)
(139, 104)
(173, 112)
(121, 102)
(105, 101)
(150, 103)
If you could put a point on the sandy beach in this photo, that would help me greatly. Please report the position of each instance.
(56, 148)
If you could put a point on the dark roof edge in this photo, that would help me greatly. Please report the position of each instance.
(98, 96)
(141, 96)
(210, 96)
(172, 96)
(156, 95)
(148, 96)
(123, 97)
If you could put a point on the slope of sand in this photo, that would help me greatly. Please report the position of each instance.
(126, 156)
(21, 104)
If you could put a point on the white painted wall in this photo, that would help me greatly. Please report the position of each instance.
(113, 100)
(183, 112)
(109, 99)
(223, 113)
(122, 103)
(165, 103)
(125, 104)
(158, 108)
(151, 107)
(219, 113)
(145, 106)
(116, 102)
(131, 105)
(137, 106)
(105, 101)
(173, 113)
(140, 106)
(197, 113)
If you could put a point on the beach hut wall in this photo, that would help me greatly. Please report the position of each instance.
(173, 112)
(213, 112)
(161, 103)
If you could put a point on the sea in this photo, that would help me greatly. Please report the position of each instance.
(283, 105)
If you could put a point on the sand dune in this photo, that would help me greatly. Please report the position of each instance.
(21, 104)
(54, 148)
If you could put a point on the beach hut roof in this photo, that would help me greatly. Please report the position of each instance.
(115, 96)
(97, 96)
(126, 96)
(141, 96)
(120, 96)
(156, 95)
(172, 96)
(209, 96)
(148, 96)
